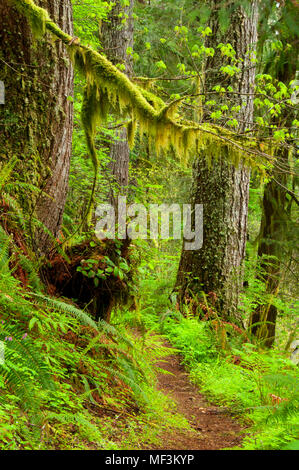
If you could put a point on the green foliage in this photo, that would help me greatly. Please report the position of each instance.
(194, 339)
(262, 389)
(6, 170)
(89, 268)
(23, 373)
(62, 370)
(67, 307)
(107, 85)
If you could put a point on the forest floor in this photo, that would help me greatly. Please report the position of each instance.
(211, 427)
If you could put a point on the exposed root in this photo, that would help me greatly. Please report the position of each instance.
(84, 278)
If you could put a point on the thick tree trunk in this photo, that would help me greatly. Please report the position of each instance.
(223, 189)
(36, 119)
(117, 37)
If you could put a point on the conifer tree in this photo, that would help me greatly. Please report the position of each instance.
(117, 42)
(223, 189)
(36, 119)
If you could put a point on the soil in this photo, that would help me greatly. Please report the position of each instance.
(213, 427)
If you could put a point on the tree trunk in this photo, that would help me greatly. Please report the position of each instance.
(276, 209)
(36, 119)
(117, 37)
(216, 269)
(272, 234)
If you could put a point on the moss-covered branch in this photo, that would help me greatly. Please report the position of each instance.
(106, 85)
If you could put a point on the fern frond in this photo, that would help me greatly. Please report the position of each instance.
(112, 331)
(27, 354)
(4, 249)
(32, 270)
(82, 316)
(15, 209)
(131, 382)
(6, 170)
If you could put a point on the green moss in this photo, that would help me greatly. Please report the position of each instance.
(108, 86)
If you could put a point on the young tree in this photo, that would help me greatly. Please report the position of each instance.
(36, 119)
(222, 188)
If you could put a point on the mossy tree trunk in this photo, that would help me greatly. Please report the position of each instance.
(270, 251)
(36, 119)
(117, 37)
(275, 238)
(223, 189)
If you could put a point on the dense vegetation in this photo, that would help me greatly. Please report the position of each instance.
(201, 109)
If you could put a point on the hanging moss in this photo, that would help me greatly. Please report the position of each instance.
(107, 86)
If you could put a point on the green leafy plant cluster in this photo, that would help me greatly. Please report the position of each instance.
(90, 268)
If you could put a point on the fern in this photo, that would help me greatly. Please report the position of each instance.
(25, 375)
(132, 382)
(4, 250)
(6, 170)
(16, 212)
(32, 271)
(112, 331)
(28, 355)
(86, 428)
(67, 308)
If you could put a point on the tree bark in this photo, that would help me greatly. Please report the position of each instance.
(272, 234)
(216, 269)
(276, 209)
(36, 119)
(117, 37)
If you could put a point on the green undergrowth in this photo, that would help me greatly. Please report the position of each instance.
(260, 387)
(67, 382)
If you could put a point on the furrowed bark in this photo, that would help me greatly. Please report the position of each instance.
(117, 37)
(216, 269)
(36, 120)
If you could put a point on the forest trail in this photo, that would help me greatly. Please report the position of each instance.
(212, 426)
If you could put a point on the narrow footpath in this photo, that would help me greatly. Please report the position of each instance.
(212, 426)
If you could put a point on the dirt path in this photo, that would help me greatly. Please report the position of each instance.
(212, 427)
